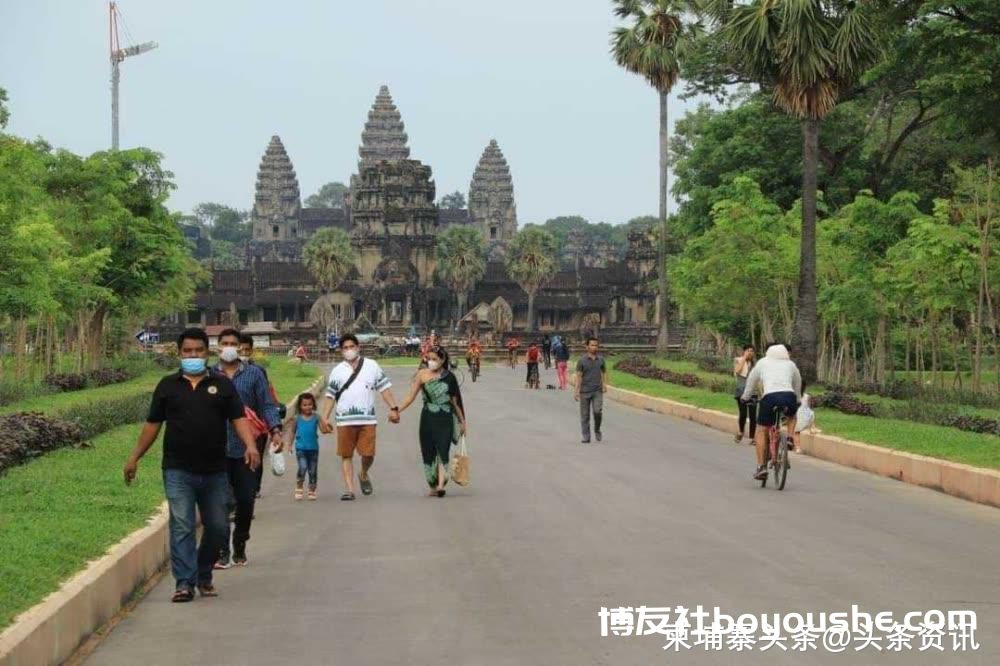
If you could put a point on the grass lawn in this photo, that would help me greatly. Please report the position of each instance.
(68, 507)
(925, 439)
(55, 402)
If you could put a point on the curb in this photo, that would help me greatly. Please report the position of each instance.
(51, 631)
(965, 481)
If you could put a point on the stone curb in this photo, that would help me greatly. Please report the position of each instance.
(965, 481)
(52, 630)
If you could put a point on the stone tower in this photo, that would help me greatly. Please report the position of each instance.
(491, 197)
(384, 136)
(277, 202)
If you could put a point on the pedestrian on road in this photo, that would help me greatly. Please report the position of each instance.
(513, 344)
(442, 405)
(197, 406)
(305, 435)
(246, 356)
(742, 365)
(591, 385)
(351, 389)
(252, 386)
(561, 352)
(547, 350)
(531, 358)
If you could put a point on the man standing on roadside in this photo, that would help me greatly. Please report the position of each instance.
(196, 405)
(251, 385)
(591, 385)
(351, 388)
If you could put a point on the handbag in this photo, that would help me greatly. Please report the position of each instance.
(277, 460)
(256, 423)
(460, 464)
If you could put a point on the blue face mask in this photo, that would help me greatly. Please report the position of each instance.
(193, 366)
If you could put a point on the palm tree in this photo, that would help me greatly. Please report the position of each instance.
(807, 52)
(329, 257)
(653, 47)
(531, 262)
(460, 261)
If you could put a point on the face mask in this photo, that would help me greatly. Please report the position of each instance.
(229, 354)
(433, 365)
(350, 354)
(193, 366)
(244, 358)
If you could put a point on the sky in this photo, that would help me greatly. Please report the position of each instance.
(579, 133)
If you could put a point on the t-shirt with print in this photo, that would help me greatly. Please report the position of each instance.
(357, 404)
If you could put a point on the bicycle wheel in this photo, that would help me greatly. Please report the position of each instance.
(781, 464)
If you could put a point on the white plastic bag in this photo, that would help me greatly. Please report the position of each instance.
(277, 461)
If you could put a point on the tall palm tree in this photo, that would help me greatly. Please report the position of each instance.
(530, 260)
(329, 257)
(806, 52)
(461, 263)
(653, 46)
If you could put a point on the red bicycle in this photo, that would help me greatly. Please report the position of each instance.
(776, 451)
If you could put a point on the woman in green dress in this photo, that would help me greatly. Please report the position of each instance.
(442, 406)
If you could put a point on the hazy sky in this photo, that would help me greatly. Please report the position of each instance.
(579, 133)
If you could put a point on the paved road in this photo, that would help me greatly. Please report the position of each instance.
(514, 569)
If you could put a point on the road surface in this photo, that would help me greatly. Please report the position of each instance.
(514, 569)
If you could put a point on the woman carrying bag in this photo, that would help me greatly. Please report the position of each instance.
(442, 406)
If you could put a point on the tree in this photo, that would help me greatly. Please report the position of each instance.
(329, 257)
(653, 47)
(460, 261)
(531, 262)
(223, 222)
(453, 201)
(4, 113)
(806, 52)
(330, 195)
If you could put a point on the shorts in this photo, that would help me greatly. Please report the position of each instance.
(784, 399)
(360, 438)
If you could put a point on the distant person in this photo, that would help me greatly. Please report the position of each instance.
(304, 435)
(547, 350)
(513, 344)
(777, 380)
(561, 352)
(591, 385)
(442, 405)
(332, 341)
(351, 390)
(197, 405)
(531, 359)
(300, 353)
(742, 365)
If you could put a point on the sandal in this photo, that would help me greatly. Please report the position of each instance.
(366, 486)
(347, 497)
(208, 590)
(441, 492)
(298, 494)
(182, 595)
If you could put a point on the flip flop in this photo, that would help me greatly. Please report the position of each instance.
(208, 591)
(441, 492)
(182, 595)
(366, 486)
(347, 497)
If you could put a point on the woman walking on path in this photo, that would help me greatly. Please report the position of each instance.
(305, 435)
(561, 351)
(442, 405)
(742, 365)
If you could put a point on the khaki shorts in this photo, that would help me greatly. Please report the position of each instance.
(360, 438)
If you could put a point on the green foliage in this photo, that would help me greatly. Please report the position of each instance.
(4, 113)
(329, 257)
(461, 260)
(224, 223)
(330, 195)
(656, 39)
(530, 258)
(453, 201)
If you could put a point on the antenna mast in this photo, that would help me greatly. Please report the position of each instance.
(118, 55)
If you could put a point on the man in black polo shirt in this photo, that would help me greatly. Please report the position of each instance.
(195, 405)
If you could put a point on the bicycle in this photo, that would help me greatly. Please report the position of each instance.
(776, 451)
(533, 380)
(474, 368)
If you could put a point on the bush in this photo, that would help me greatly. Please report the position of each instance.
(27, 435)
(14, 391)
(642, 366)
(713, 364)
(106, 376)
(97, 416)
(66, 381)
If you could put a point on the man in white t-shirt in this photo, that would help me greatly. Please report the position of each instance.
(351, 388)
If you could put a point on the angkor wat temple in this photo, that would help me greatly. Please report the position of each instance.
(393, 222)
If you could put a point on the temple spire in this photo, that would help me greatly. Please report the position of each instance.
(277, 200)
(491, 196)
(384, 136)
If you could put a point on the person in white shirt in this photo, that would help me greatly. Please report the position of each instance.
(351, 388)
(776, 378)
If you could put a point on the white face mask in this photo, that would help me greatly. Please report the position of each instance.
(244, 358)
(229, 354)
(433, 365)
(350, 354)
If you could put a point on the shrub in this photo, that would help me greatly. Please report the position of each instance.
(106, 376)
(66, 381)
(27, 435)
(641, 366)
(97, 416)
(712, 364)
(843, 402)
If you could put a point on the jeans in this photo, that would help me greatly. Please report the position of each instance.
(308, 462)
(243, 482)
(590, 401)
(561, 371)
(191, 563)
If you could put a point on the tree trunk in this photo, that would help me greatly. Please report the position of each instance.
(95, 338)
(881, 340)
(662, 338)
(20, 342)
(531, 311)
(804, 335)
(463, 303)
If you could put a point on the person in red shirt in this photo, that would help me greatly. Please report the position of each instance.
(532, 357)
(512, 346)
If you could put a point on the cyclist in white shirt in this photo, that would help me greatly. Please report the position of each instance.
(776, 378)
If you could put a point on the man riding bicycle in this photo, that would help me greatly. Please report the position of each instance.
(473, 353)
(777, 379)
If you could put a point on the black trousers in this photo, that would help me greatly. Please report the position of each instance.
(748, 409)
(261, 447)
(243, 482)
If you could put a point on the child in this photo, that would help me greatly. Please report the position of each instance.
(804, 417)
(305, 434)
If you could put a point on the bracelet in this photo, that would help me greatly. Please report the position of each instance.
(394, 409)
